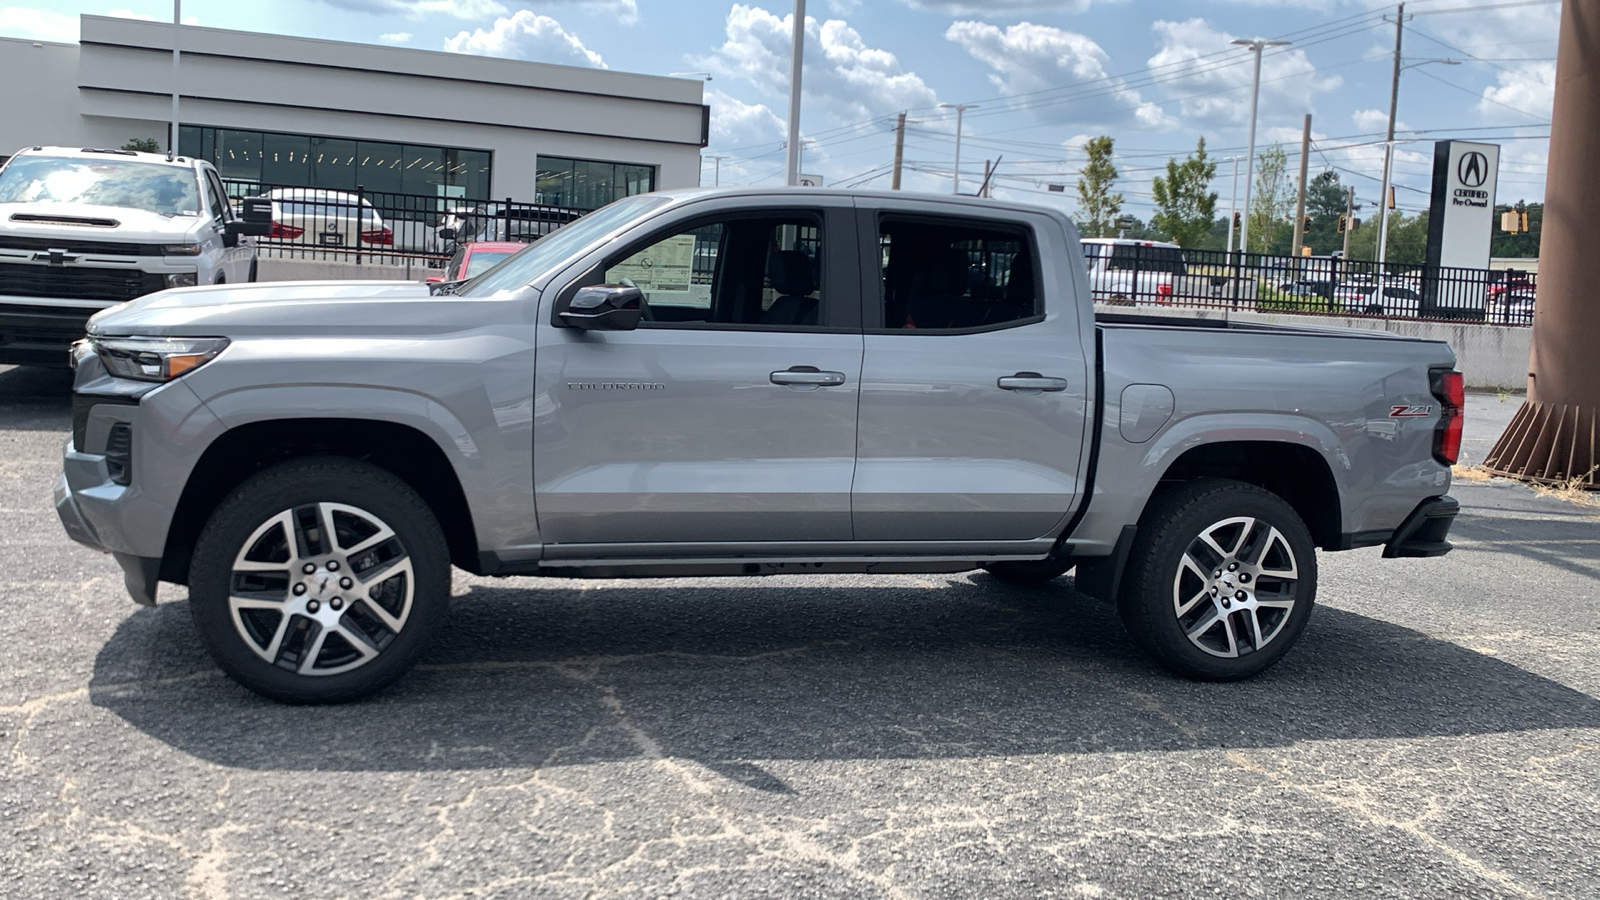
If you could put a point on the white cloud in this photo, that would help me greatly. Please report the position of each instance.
(1214, 90)
(845, 79)
(395, 37)
(1028, 58)
(735, 123)
(1530, 87)
(40, 23)
(1368, 121)
(526, 35)
(130, 14)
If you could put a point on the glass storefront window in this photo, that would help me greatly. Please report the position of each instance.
(297, 160)
(589, 184)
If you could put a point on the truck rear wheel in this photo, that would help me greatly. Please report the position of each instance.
(319, 580)
(1220, 581)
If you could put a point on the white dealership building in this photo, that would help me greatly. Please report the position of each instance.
(290, 111)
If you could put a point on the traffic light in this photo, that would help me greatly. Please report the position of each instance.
(1236, 221)
(1391, 196)
(1344, 222)
(1523, 221)
(1305, 224)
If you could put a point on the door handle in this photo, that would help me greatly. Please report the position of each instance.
(1031, 383)
(808, 376)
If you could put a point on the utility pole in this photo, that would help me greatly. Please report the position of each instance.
(796, 61)
(960, 108)
(899, 150)
(177, 22)
(1300, 197)
(1255, 46)
(1388, 143)
(717, 179)
(1233, 204)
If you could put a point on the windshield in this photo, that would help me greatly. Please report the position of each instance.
(521, 270)
(482, 261)
(124, 183)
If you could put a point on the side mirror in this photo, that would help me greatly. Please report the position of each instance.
(603, 307)
(447, 234)
(257, 219)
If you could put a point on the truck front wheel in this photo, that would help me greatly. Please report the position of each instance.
(1220, 581)
(319, 580)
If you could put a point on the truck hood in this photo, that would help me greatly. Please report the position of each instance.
(85, 222)
(320, 308)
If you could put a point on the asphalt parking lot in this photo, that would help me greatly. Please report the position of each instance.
(1436, 734)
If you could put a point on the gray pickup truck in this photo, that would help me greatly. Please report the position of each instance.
(740, 382)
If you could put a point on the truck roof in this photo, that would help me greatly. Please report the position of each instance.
(967, 202)
(181, 162)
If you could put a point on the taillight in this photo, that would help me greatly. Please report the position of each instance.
(383, 236)
(1451, 392)
(286, 232)
(1164, 292)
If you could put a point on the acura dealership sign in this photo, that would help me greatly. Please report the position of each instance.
(1461, 219)
(1460, 225)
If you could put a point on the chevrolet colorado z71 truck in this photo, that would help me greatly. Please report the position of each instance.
(81, 230)
(740, 382)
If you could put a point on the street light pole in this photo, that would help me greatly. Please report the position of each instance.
(717, 182)
(1255, 46)
(795, 65)
(960, 109)
(1233, 203)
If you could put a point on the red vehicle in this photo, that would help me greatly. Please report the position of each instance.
(471, 260)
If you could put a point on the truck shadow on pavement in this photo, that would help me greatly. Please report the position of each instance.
(546, 673)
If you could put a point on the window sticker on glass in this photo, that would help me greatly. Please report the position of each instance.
(664, 271)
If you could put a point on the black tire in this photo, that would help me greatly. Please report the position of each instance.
(1171, 528)
(302, 670)
(1028, 572)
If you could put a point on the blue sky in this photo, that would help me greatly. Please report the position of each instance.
(1154, 74)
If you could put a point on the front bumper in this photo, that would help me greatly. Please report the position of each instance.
(1424, 532)
(139, 573)
(71, 517)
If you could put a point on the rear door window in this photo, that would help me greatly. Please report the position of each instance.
(955, 274)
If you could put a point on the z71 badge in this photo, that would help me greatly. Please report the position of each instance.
(1410, 412)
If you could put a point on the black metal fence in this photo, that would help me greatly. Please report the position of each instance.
(386, 228)
(1141, 274)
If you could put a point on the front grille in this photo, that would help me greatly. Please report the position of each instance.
(119, 453)
(77, 247)
(78, 282)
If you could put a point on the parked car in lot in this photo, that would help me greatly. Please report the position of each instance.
(81, 230)
(1132, 272)
(498, 222)
(864, 382)
(472, 260)
(1368, 298)
(331, 219)
(1513, 307)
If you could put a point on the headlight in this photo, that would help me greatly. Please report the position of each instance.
(156, 359)
(183, 279)
(180, 249)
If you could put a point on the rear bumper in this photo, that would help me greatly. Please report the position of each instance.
(1424, 532)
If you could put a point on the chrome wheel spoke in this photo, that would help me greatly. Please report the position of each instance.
(309, 660)
(1233, 639)
(358, 641)
(1206, 623)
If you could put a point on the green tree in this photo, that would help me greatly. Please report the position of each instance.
(1325, 201)
(143, 145)
(1408, 239)
(1272, 203)
(1098, 205)
(1186, 207)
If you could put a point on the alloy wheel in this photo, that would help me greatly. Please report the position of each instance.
(1235, 587)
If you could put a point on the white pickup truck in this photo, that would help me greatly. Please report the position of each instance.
(82, 230)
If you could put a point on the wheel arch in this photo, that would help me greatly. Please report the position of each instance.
(1295, 472)
(245, 449)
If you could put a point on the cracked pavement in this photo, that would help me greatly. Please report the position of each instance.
(1435, 734)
